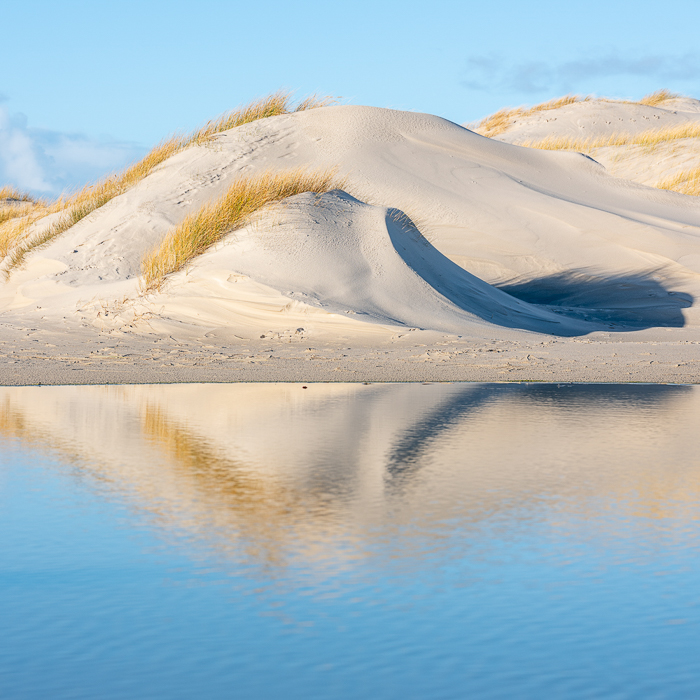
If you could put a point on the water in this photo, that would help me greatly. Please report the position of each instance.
(350, 541)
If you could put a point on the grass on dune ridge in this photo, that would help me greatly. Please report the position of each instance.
(644, 138)
(658, 97)
(246, 196)
(14, 240)
(686, 182)
(12, 194)
(500, 121)
(16, 209)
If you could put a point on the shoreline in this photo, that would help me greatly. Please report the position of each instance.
(57, 359)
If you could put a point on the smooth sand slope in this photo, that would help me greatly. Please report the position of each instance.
(440, 240)
(595, 119)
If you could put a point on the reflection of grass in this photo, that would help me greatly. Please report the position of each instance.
(92, 197)
(212, 222)
(267, 514)
(500, 121)
(12, 422)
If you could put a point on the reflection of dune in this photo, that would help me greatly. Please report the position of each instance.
(274, 471)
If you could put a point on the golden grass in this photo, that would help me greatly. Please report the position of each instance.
(233, 210)
(14, 195)
(656, 98)
(17, 211)
(15, 204)
(686, 182)
(644, 138)
(271, 106)
(92, 197)
(500, 121)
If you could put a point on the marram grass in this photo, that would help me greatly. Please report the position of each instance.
(246, 196)
(656, 98)
(499, 122)
(644, 138)
(686, 182)
(92, 197)
(17, 211)
(12, 194)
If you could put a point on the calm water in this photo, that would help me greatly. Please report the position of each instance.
(350, 541)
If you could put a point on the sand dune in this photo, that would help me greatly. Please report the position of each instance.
(596, 119)
(439, 229)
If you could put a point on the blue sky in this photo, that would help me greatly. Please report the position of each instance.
(87, 87)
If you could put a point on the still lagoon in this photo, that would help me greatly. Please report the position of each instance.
(350, 541)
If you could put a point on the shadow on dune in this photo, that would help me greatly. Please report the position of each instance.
(567, 304)
(624, 302)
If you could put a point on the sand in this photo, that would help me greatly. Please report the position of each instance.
(449, 257)
(647, 165)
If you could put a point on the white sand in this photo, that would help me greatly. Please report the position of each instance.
(598, 268)
(647, 165)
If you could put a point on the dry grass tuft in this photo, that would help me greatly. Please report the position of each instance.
(14, 195)
(18, 210)
(656, 98)
(92, 197)
(271, 106)
(500, 121)
(212, 222)
(686, 182)
(644, 138)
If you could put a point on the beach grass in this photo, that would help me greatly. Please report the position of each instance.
(499, 122)
(685, 182)
(12, 194)
(82, 203)
(651, 137)
(246, 196)
(658, 97)
(15, 204)
(17, 211)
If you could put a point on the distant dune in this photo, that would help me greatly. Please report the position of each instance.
(655, 142)
(416, 223)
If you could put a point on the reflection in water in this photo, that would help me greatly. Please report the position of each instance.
(277, 471)
(349, 541)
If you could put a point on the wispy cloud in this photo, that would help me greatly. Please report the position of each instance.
(496, 73)
(49, 162)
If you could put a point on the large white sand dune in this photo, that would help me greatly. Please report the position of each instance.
(577, 249)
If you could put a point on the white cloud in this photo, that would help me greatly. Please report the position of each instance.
(19, 161)
(46, 162)
(494, 72)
